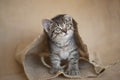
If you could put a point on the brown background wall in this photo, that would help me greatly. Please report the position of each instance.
(20, 22)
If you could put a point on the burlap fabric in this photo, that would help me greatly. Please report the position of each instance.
(34, 69)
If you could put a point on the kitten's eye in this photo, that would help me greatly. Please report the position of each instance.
(57, 30)
(69, 26)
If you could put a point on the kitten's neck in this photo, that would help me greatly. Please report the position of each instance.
(64, 43)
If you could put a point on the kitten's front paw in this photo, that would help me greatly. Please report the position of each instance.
(72, 72)
(55, 70)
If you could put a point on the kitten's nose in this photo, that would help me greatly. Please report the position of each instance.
(64, 30)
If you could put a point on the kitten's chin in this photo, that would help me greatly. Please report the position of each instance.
(70, 33)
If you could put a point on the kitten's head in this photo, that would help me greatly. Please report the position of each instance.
(59, 27)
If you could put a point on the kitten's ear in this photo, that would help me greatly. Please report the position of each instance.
(68, 18)
(46, 24)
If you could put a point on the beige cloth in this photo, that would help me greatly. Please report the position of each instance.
(35, 70)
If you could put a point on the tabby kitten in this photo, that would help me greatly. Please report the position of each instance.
(60, 31)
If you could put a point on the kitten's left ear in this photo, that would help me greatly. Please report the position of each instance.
(46, 24)
(68, 18)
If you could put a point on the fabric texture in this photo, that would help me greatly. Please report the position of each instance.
(35, 70)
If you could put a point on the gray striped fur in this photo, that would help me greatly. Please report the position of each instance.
(60, 30)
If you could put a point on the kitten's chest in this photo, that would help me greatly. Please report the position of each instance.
(64, 51)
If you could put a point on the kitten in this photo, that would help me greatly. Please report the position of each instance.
(60, 31)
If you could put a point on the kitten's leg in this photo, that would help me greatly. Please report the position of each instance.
(73, 68)
(55, 61)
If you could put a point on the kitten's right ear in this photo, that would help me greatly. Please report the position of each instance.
(46, 24)
(68, 18)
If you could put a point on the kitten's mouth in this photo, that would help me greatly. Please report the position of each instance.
(64, 30)
(65, 34)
